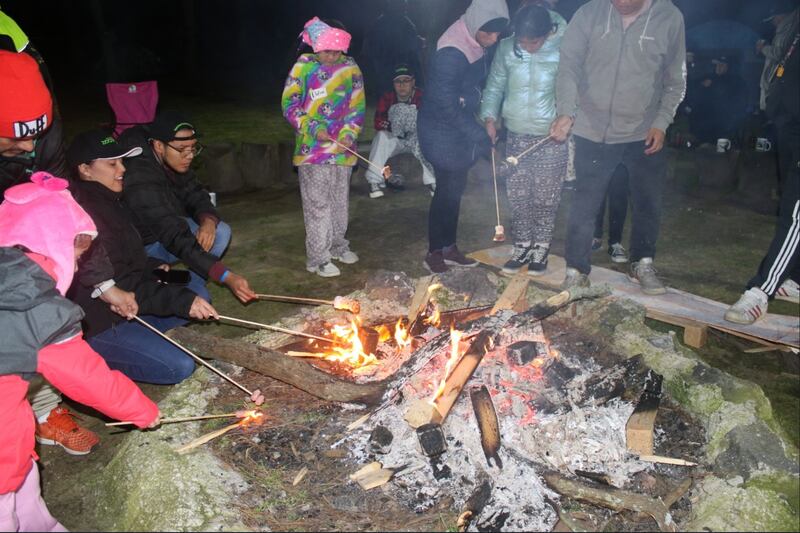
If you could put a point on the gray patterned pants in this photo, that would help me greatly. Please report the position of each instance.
(534, 189)
(325, 190)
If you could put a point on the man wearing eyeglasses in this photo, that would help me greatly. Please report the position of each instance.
(172, 212)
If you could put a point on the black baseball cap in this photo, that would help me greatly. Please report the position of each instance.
(167, 125)
(97, 144)
(402, 70)
(780, 7)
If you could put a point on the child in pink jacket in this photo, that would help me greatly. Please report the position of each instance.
(43, 231)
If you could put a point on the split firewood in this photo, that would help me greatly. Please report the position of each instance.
(544, 309)
(486, 416)
(373, 475)
(666, 460)
(611, 498)
(639, 428)
(206, 438)
(515, 295)
(422, 294)
(278, 366)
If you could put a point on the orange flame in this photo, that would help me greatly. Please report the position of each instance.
(401, 336)
(436, 318)
(350, 350)
(384, 333)
(455, 354)
(252, 417)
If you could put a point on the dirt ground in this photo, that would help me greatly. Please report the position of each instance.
(710, 245)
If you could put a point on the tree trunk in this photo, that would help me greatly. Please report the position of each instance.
(278, 366)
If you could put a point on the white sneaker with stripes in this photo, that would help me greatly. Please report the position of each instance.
(751, 306)
(789, 291)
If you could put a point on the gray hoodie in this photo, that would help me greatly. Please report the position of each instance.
(482, 11)
(620, 83)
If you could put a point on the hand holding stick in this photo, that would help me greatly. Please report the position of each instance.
(386, 171)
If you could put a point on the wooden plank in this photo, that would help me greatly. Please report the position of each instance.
(695, 336)
(421, 296)
(675, 307)
(515, 295)
(639, 429)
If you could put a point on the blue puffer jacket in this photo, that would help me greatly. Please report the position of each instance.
(526, 86)
(449, 135)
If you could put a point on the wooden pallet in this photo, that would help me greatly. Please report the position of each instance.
(693, 313)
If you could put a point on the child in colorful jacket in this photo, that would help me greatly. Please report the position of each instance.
(323, 100)
(43, 231)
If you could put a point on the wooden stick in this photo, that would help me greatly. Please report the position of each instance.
(276, 328)
(496, 197)
(276, 297)
(207, 437)
(514, 160)
(666, 460)
(173, 420)
(361, 157)
(196, 358)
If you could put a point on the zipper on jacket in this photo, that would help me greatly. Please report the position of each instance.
(614, 86)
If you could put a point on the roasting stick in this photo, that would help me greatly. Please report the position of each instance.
(381, 171)
(340, 302)
(196, 357)
(276, 328)
(173, 420)
(514, 160)
(499, 230)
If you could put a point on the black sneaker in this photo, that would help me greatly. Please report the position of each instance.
(596, 244)
(452, 256)
(396, 182)
(538, 264)
(520, 256)
(434, 262)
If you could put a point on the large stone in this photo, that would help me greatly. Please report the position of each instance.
(220, 171)
(259, 164)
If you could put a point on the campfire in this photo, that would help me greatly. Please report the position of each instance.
(529, 408)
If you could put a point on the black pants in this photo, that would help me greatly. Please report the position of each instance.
(445, 206)
(781, 261)
(617, 201)
(594, 165)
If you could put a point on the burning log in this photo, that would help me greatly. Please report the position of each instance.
(486, 416)
(611, 498)
(278, 366)
(552, 304)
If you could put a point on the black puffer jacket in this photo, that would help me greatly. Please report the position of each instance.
(449, 135)
(48, 156)
(160, 198)
(132, 268)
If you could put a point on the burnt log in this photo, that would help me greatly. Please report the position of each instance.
(279, 366)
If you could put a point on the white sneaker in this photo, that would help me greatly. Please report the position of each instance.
(789, 291)
(375, 191)
(348, 257)
(750, 307)
(326, 270)
(617, 253)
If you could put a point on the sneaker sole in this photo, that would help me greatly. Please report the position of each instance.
(511, 270)
(537, 273)
(790, 299)
(737, 320)
(343, 261)
(432, 271)
(448, 262)
(376, 194)
(649, 292)
(51, 442)
(619, 259)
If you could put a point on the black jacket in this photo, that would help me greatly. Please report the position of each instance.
(132, 268)
(160, 198)
(48, 156)
(449, 135)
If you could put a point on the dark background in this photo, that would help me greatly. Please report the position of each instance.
(235, 49)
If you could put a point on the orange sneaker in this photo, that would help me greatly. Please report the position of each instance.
(62, 430)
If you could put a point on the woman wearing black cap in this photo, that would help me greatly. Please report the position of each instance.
(449, 135)
(96, 162)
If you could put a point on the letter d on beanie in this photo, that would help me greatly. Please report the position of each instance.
(26, 108)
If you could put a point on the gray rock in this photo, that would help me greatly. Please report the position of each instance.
(750, 449)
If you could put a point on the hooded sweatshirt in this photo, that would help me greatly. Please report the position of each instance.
(620, 83)
(461, 34)
(41, 329)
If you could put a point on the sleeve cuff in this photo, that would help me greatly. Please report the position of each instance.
(202, 217)
(100, 288)
(217, 271)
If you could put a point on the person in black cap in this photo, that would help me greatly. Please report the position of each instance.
(172, 212)
(96, 162)
(449, 135)
(396, 132)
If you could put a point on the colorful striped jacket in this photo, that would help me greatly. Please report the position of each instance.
(317, 96)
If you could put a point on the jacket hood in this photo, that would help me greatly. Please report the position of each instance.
(23, 283)
(43, 217)
(480, 12)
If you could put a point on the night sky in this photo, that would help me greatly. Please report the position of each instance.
(234, 49)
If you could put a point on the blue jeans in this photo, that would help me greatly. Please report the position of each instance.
(142, 355)
(221, 242)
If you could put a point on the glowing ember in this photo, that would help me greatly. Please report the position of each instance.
(401, 336)
(435, 319)
(455, 353)
(250, 417)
